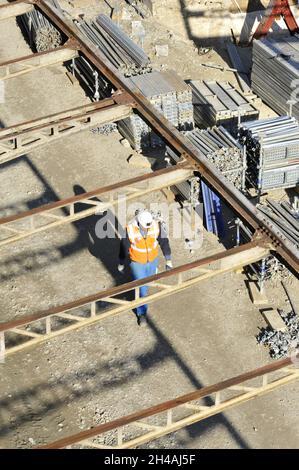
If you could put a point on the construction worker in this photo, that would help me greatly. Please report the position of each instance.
(140, 244)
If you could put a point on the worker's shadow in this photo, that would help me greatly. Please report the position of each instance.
(99, 233)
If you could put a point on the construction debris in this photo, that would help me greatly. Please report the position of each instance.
(272, 147)
(220, 104)
(277, 58)
(105, 129)
(281, 343)
(42, 35)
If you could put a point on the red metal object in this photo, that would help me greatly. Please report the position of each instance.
(277, 9)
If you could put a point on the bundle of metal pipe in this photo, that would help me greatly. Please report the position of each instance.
(220, 104)
(283, 216)
(116, 45)
(95, 84)
(42, 34)
(275, 71)
(272, 147)
(220, 148)
(171, 96)
(281, 343)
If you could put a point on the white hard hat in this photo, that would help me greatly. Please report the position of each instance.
(145, 218)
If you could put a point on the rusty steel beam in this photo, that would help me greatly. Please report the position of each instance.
(16, 8)
(234, 384)
(39, 327)
(22, 138)
(22, 65)
(176, 140)
(46, 217)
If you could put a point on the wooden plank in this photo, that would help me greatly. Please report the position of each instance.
(274, 319)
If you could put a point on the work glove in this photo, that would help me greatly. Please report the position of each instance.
(121, 268)
(169, 265)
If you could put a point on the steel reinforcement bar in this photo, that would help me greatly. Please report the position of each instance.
(136, 429)
(19, 334)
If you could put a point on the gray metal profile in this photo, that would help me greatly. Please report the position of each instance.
(272, 147)
(220, 104)
(275, 72)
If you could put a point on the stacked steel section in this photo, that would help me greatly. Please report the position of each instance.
(42, 34)
(116, 45)
(219, 103)
(171, 96)
(272, 152)
(221, 149)
(283, 216)
(275, 72)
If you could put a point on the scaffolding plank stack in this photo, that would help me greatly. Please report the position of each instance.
(220, 104)
(275, 72)
(272, 147)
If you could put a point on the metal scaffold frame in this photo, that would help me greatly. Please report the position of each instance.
(56, 214)
(184, 410)
(245, 210)
(92, 309)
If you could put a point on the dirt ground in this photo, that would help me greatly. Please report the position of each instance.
(91, 376)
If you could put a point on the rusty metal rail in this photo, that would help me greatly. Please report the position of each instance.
(22, 138)
(17, 227)
(22, 65)
(136, 429)
(19, 334)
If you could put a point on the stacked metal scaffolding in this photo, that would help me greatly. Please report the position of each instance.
(219, 103)
(221, 149)
(116, 45)
(272, 147)
(170, 95)
(275, 72)
(42, 34)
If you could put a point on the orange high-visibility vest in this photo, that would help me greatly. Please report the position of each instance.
(143, 250)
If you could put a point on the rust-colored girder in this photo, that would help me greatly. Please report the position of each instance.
(169, 405)
(275, 10)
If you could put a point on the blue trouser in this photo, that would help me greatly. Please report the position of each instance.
(140, 271)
